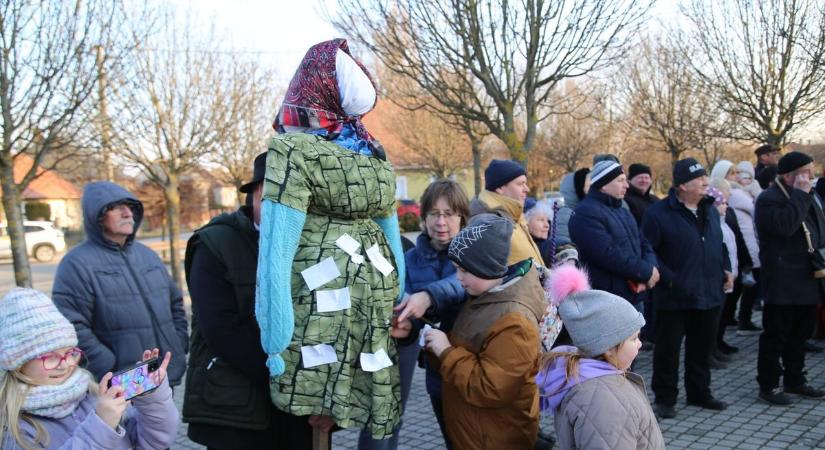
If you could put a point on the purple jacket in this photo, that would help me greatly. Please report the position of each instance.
(552, 383)
(151, 422)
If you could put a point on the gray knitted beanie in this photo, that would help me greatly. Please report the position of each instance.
(483, 246)
(596, 320)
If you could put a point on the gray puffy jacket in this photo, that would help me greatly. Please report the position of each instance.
(121, 300)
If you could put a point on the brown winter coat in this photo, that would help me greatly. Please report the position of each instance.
(490, 396)
(522, 245)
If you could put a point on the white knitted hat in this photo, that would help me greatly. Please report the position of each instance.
(30, 325)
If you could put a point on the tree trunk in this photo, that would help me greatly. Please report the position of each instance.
(476, 149)
(171, 195)
(13, 207)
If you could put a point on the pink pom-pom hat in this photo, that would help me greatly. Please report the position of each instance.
(565, 280)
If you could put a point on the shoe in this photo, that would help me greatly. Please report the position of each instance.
(709, 403)
(663, 411)
(775, 397)
(748, 328)
(727, 349)
(647, 346)
(810, 347)
(806, 391)
(721, 356)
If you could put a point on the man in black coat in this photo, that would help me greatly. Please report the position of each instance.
(686, 234)
(638, 196)
(784, 214)
(227, 403)
(767, 157)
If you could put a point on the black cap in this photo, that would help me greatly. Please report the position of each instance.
(257, 175)
(637, 169)
(792, 161)
(764, 149)
(686, 170)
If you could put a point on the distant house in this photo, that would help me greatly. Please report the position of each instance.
(49, 196)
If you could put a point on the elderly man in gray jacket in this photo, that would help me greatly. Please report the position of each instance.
(117, 292)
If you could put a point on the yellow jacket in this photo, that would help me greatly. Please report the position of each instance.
(521, 245)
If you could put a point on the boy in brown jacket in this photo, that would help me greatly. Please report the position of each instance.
(490, 359)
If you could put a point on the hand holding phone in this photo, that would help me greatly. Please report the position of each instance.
(138, 379)
(143, 377)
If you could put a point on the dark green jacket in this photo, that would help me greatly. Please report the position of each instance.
(227, 381)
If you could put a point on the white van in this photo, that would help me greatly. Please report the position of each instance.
(43, 240)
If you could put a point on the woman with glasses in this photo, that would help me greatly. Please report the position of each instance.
(49, 402)
(434, 293)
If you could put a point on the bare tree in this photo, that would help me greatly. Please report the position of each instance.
(568, 139)
(173, 113)
(252, 102)
(46, 76)
(491, 62)
(764, 60)
(664, 103)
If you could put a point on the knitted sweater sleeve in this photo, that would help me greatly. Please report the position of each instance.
(393, 233)
(280, 232)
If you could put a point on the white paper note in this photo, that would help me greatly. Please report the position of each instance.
(378, 260)
(347, 244)
(321, 273)
(316, 355)
(373, 362)
(421, 337)
(350, 246)
(332, 300)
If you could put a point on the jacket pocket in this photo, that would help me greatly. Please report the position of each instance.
(113, 285)
(225, 385)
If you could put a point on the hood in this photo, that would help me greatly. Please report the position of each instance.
(568, 191)
(552, 379)
(97, 196)
(720, 169)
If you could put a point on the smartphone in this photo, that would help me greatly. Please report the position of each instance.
(136, 380)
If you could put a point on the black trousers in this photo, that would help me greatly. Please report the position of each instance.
(749, 296)
(698, 329)
(438, 409)
(728, 310)
(785, 328)
(286, 432)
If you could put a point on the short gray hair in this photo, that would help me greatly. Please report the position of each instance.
(542, 207)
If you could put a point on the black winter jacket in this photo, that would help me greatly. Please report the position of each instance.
(227, 385)
(786, 265)
(690, 252)
(638, 202)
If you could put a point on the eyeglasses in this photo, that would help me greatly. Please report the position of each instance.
(52, 361)
(435, 215)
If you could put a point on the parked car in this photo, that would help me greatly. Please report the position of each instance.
(43, 240)
(408, 207)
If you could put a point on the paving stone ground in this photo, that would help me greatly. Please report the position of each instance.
(748, 423)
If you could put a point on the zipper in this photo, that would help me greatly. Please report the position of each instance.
(146, 304)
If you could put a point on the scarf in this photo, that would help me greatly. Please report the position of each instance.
(313, 101)
(57, 401)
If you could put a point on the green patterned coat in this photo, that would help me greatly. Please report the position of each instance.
(341, 191)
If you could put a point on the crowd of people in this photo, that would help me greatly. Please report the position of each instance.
(310, 312)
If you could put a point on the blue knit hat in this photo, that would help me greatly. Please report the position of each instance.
(501, 172)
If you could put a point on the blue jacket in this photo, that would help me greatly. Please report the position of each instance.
(691, 256)
(432, 271)
(610, 245)
(121, 300)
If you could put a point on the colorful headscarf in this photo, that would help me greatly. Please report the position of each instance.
(313, 101)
